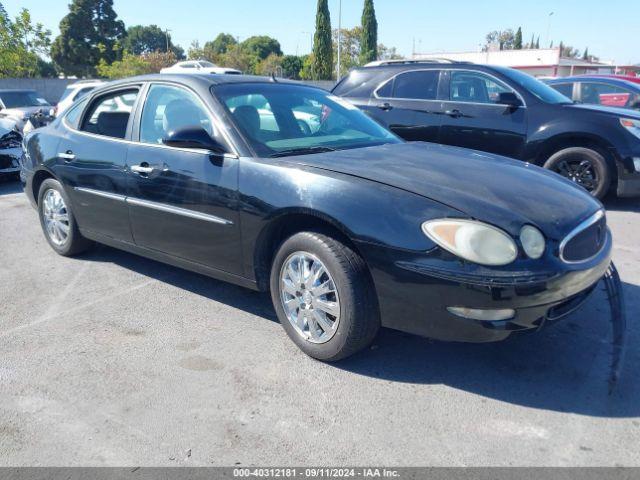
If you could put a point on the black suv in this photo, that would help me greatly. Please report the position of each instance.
(504, 111)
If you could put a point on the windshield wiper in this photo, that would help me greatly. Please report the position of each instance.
(301, 151)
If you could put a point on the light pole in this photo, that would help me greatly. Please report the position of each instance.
(549, 26)
(166, 33)
(339, 37)
(310, 39)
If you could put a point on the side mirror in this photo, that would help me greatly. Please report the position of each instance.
(510, 99)
(193, 137)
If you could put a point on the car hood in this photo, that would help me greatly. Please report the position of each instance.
(504, 192)
(613, 111)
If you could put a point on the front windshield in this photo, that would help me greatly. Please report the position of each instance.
(282, 118)
(22, 99)
(537, 88)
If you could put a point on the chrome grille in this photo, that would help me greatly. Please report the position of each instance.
(586, 240)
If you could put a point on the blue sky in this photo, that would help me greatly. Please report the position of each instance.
(610, 29)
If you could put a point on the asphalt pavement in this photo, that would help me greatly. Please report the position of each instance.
(111, 359)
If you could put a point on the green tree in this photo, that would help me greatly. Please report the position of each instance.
(561, 48)
(141, 39)
(220, 44)
(89, 34)
(322, 67)
(132, 65)
(533, 43)
(504, 39)
(291, 66)
(585, 55)
(272, 65)
(517, 43)
(350, 42)
(307, 72)
(369, 39)
(237, 58)
(538, 42)
(23, 45)
(261, 46)
(388, 53)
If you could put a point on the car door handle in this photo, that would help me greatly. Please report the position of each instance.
(143, 168)
(385, 106)
(67, 156)
(455, 113)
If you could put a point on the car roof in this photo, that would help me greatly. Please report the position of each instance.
(199, 80)
(416, 64)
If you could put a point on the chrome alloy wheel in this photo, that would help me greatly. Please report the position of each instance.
(309, 297)
(56, 217)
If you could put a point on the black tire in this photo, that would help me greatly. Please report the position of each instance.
(75, 243)
(569, 162)
(359, 320)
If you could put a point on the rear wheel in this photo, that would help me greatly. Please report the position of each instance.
(57, 220)
(583, 166)
(323, 296)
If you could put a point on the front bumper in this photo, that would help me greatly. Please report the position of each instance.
(629, 176)
(414, 294)
(10, 160)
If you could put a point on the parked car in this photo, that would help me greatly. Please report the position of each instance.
(610, 92)
(10, 148)
(628, 78)
(74, 92)
(19, 105)
(504, 111)
(348, 226)
(199, 67)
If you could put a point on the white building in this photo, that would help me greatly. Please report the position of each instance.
(545, 62)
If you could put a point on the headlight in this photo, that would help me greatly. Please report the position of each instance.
(473, 241)
(632, 126)
(533, 241)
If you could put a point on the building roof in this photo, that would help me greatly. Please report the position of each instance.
(543, 57)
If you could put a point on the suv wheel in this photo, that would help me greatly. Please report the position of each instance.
(323, 296)
(583, 166)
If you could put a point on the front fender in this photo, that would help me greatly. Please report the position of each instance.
(365, 211)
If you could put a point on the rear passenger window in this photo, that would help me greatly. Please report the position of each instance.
(386, 90)
(565, 89)
(418, 85)
(109, 114)
(476, 88)
(73, 116)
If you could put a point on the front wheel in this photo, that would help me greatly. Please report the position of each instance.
(324, 297)
(583, 166)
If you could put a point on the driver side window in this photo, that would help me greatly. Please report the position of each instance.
(168, 109)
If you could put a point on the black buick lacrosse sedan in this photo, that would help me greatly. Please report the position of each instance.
(283, 187)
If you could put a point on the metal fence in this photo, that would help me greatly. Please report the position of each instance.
(51, 88)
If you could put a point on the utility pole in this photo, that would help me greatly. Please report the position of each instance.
(339, 36)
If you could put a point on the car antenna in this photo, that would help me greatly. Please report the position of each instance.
(273, 77)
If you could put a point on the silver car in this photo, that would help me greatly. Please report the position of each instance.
(20, 105)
